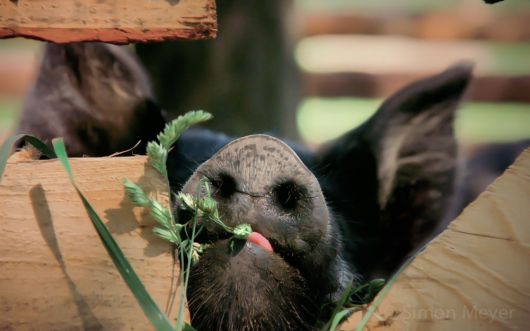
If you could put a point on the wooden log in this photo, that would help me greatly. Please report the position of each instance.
(379, 85)
(55, 273)
(447, 25)
(474, 276)
(118, 21)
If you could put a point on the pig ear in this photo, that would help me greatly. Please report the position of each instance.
(398, 169)
(414, 133)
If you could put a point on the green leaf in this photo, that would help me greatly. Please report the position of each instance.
(339, 317)
(337, 312)
(349, 301)
(372, 308)
(157, 156)
(135, 193)
(166, 234)
(242, 231)
(188, 327)
(175, 128)
(186, 201)
(7, 146)
(161, 214)
(207, 205)
(149, 306)
(374, 287)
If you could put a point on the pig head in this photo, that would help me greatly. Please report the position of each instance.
(259, 180)
(350, 211)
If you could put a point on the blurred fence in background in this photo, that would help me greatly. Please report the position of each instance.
(353, 53)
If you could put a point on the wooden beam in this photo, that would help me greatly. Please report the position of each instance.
(54, 271)
(474, 276)
(118, 21)
(374, 85)
(439, 25)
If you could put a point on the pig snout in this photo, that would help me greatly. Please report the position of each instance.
(260, 181)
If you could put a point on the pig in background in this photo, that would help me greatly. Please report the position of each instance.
(481, 168)
(353, 210)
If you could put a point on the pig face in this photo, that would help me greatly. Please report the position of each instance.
(261, 181)
(350, 211)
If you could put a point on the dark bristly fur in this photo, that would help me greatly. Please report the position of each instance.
(96, 96)
(384, 187)
(260, 181)
(250, 290)
(392, 178)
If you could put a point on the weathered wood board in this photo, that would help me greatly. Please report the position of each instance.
(476, 274)
(117, 21)
(55, 273)
(448, 24)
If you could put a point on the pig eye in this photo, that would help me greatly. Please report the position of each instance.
(287, 195)
(224, 186)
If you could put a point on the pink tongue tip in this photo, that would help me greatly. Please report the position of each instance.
(258, 239)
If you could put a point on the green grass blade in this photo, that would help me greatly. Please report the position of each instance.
(174, 129)
(336, 315)
(339, 317)
(188, 327)
(7, 146)
(372, 308)
(149, 306)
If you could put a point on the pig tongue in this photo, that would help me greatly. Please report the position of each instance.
(258, 239)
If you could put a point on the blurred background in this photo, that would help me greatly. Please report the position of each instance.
(313, 69)
(355, 52)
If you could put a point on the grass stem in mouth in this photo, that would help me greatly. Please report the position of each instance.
(204, 208)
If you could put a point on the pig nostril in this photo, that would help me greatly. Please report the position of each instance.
(288, 195)
(225, 186)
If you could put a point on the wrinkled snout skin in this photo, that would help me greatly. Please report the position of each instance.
(248, 178)
(261, 181)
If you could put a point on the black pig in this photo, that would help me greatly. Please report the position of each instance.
(96, 96)
(351, 211)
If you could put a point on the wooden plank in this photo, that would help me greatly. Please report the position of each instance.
(474, 276)
(18, 77)
(378, 85)
(447, 25)
(54, 271)
(118, 21)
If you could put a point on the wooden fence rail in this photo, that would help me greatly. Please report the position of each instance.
(440, 25)
(55, 273)
(118, 21)
(372, 85)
